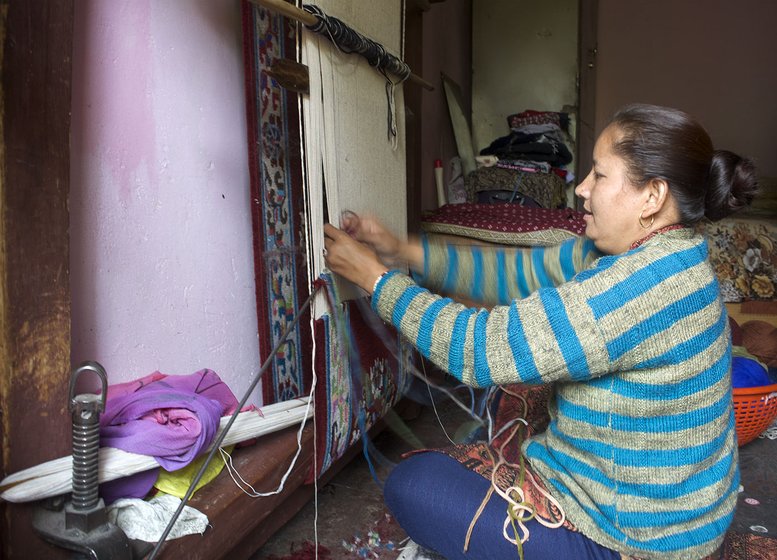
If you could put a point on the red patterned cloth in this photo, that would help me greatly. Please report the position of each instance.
(529, 402)
(506, 223)
(537, 117)
(512, 218)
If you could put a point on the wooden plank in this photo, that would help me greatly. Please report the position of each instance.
(234, 516)
(34, 290)
(239, 524)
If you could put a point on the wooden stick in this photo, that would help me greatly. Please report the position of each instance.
(293, 12)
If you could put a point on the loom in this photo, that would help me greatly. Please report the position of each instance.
(344, 148)
(350, 157)
(349, 153)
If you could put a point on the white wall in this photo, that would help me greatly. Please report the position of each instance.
(524, 56)
(161, 246)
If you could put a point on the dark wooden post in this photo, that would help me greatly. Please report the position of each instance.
(36, 41)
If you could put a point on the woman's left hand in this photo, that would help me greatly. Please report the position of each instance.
(351, 259)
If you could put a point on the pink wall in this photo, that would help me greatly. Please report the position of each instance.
(161, 255)
(714, 59)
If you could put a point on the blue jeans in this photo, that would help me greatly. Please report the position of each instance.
(434, 498)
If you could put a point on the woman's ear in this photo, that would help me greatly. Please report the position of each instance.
(657, 197)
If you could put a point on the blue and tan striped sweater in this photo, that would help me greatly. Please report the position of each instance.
(640, 450)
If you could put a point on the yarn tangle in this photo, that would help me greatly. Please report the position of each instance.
(521, 495)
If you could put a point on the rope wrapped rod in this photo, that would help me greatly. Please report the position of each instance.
(350, 41)
(309, 19)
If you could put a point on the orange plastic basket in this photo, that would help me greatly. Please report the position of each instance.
(754, 409)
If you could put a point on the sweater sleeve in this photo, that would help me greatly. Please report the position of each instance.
(548, 336)
(647, 309)
(495, 275)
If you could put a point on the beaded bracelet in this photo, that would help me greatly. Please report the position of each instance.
(377, 280)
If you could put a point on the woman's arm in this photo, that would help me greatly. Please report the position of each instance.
(549, 336)
(520, 342)
(494, 275)
(489, 275)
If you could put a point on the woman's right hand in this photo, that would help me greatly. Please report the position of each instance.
(369, 230)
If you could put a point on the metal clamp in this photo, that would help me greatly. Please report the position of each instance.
(81, 524)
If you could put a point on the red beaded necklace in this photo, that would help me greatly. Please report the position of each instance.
(654, 233)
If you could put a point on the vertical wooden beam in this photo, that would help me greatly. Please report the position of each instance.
(588, 13)
(413, 115)
(35, 61)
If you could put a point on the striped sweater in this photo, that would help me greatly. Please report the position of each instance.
(640, 450)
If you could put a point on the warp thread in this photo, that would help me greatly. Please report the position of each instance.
(350, 41)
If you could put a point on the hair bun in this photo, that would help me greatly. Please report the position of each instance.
(733, 184)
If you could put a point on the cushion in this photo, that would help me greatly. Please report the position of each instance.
(760, 339)
(508, 224)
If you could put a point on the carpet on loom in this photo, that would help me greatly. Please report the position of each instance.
(362, 367)
(277, 201)
(351, 395)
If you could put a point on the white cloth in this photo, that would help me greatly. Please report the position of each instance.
(146, 520)
(412, 551)
(771, 431)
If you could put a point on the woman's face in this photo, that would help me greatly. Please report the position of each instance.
(612, 204)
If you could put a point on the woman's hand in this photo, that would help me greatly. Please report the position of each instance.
(369, 230)
(349, 258)
(390, 249)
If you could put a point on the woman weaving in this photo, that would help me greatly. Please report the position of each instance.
(629, 338)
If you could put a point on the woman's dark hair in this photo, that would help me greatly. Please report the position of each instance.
(663, 143)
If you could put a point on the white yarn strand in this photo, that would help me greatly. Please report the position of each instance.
(233, 472)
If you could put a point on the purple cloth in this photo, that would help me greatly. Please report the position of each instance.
(172, 418)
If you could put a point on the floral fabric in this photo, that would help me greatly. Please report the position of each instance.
(743, 252)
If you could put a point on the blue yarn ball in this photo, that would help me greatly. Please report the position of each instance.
(746, 372)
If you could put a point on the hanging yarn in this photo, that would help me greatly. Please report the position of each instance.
(349, 41)
(524, 494)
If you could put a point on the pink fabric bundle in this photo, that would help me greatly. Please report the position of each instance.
(173, 418)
